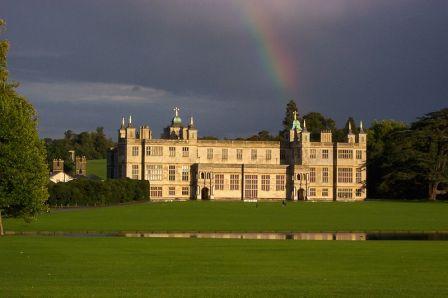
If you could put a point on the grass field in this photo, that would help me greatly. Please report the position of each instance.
(239, 216)
(51, 266)
(97, 167)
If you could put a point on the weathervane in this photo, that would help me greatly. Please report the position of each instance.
(176, 111)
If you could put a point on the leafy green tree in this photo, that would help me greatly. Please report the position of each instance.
(23, 170)
(427, 148)
(380, 142)
(263, 135)
(316, 122)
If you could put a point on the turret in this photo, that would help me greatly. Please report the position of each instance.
(58, 166)
(122, 130)
(350, 135)
(305, 133)
(130, 130)
(362, 136)
(192, 131)
(176, 129)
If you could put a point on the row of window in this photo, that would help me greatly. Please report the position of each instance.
(345, 175)
(343, 193)
(251, 183)
(156, 191)
(347, 193)
(158, 151)
(239, 154)
(155, 172)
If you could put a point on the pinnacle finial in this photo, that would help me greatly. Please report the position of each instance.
(361, 128)
(122, 121)
(191, 121)
(349, 127)
(295, 115)
(130, 120)
(304, 124)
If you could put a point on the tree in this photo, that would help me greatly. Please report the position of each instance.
(417, 158)
(291, 107)
(379, 145)
(316, 122)
(263, 135)
(23, 170)
(429, 149)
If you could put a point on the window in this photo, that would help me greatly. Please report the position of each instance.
(225, 154)
(358, 192)
(253, 154)
(325, 154)
(154, 172)
(134, 150)
(325, 192)
(154, 151)
(345, 175)
(358, 176)
(265, 182)
(210, 153)
(185, 191)
(134, 171)
(358, 154)
(268, 154)
(172, 173)
(239, 154)
(251, 186)
(280, 182)
(172, 151)
(155, 191)
(313, 153)
(185, 151)
(345, 154)
(312, 174)
(172, 191)
(234, 182)
(312, 192)
(325, 175)
(185, 173)
(344, 193)
(219, 182)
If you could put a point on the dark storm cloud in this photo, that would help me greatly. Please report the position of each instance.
(86, 63)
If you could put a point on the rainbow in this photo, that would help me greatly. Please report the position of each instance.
(277, 61)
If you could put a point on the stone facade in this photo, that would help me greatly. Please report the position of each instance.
(179, 166)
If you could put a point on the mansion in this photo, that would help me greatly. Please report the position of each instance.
(181, 166)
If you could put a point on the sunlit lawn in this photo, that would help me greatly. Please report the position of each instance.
(239, 216)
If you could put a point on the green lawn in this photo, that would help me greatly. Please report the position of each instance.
(239, 216)
(51, 266)
(97, 167)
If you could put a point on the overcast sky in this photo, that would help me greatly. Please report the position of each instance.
(232, 64)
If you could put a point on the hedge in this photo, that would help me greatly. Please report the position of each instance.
(86, 192)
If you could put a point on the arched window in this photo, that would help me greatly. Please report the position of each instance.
(298, 177)
(208, 176)
(202, 175)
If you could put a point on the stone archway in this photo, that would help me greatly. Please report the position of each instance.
(301, 194)
(205, 193)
